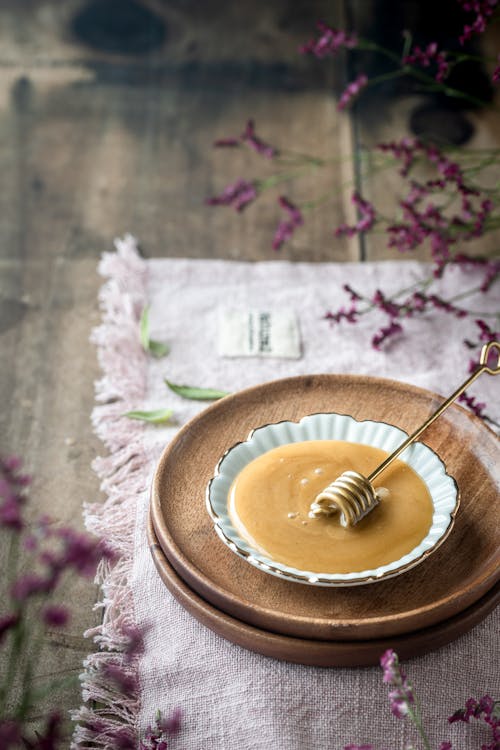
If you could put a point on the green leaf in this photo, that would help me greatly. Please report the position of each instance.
(155, 348)
(157, 416)
(196, 394)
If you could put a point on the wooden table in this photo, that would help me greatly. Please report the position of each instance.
(103, 133)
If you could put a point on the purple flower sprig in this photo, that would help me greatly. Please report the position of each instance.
(482, 10)
(157, 736)
(249, 138)
(402, 697)
(431, 55)
(287, 226)
(404, 704)
(329, 42)
(49, 553)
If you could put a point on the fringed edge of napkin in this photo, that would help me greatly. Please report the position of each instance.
(111, 709)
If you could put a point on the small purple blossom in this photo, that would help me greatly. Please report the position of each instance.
(238, 195)
(229, 142)
(483, 10)
(329, 42)
(430, 55)
(10, 734)
(352, 90)
(7, 622)
(353, 294)
(367, 218)
(401, 697)
(124, 681)
(350, 315)
(12, 498)
(250, 137)
(495, 77)
(55, 616)
(135, 641)
(475, 406)
(172, 724)
(287, 227)
(156, 738)
(385, 333)
(445, 746)
(404, 150)
(486, 333)
(29, 585)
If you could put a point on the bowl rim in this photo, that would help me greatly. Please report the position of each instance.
(283, 571)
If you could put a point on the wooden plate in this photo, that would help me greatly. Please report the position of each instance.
(318, 653)
(463, 569)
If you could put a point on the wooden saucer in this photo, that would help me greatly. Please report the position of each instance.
(317, 653)
(449, 581)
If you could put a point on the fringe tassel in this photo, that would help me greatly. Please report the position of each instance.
(113, 722)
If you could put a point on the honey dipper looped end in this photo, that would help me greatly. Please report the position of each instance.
(352, 496)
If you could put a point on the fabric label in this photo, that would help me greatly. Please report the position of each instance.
(259, 333)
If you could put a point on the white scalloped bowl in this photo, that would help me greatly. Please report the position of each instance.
(427, 464)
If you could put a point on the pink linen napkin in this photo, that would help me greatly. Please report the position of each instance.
(231, 697)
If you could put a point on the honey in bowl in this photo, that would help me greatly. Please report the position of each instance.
(269, 503)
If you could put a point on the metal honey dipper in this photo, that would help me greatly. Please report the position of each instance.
(352, 495)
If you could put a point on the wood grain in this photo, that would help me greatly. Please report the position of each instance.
(317, 653)
(449, 580)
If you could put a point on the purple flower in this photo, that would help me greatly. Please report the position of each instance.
(250, 137)
(230, 142)
(238, 195)
(496, 73)
(476, 407)
(367, 217)
(55, 616)
(429, 55)
(257, 144)
(390, 665)
(353, 294)
(172, 724)
(10, 734)
(386, 305)
(287, 227)
(7, 623)
(486, 333)
(445, 746)
(156, 738)
(81, 552)
(122, 738)
(329, 42)
(404, 150)
(482, 9)
(399, 704)
(125, 682)
(350, 315)
(52, 735)
(352, 90)
(135, 644)
(358, 747)
(385, 333)
(11, 495)
(30, 584)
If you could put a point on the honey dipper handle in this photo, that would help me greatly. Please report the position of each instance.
(482, 367)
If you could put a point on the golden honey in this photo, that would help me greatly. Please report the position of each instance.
(270, 499)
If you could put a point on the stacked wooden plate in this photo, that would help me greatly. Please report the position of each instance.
(420, 610)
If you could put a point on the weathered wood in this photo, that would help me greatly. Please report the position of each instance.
(94, 143)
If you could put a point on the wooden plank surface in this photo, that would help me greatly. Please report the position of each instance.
(103, 132)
